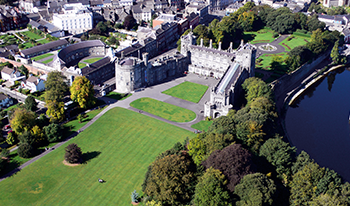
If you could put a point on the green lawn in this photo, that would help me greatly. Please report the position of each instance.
(81, 65)
(297, 39)
(43, 41)
(118, 96)
(43, 56)
(92, 60)
(47, 61)
(32, 35)
(262, 36)
(27, 45)
(74, 125)
(188, 91)
(202, 125)
(118, 148)
(164, 110)
(267, 59)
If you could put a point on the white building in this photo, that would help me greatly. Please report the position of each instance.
(126, 2)
(34, 84)
(76, 18)
(28, 5)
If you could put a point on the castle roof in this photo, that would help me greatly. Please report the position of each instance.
(95, 66)
(80, 45)
(212, 50)
(44, 47)
(127, 61)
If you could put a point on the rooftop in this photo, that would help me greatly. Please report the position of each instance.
(44, 47)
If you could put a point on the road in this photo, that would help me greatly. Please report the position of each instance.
(19, 96)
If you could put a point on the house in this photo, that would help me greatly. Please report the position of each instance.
(34, 84)
(346, 33)
(11, 18)
(5, 101)
(11, 75)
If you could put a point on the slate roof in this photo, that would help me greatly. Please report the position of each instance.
(346, 32)
(129, 49)
(127, 61)
(95, 66)
(7, 70)
(44, 47)
(80, 45)
(3, 97)
(207, 49)
(33, 79)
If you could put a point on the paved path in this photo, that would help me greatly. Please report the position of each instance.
(152, 92)
(19, 96)
(274, 43)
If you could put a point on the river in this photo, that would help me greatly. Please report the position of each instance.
(319, 122)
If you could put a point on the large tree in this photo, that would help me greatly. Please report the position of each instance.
(129, 22)
(171, 180)
(26, 150)
(55, 110)
(73, 154)
(31, 104)
(53, 132)
(255, 88)
(233, 161)
(82, 91)
(335, 53)
(211, 189)
(56, 86)
(255, 189)
(22, 120)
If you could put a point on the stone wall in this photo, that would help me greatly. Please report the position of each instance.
(31, 69)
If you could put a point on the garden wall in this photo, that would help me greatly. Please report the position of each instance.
(32, 69)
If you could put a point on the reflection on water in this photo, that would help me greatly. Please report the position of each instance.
(319, 122)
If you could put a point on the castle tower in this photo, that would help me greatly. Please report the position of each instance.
(245, 56)
(185, 42)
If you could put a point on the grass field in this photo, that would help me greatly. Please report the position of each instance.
(118, 148)
(267, 59)
(297, 39)
(81, 65)
(28, 45)
(118, 96)
(164, 110)
(47, 61)
(188, 91)
(43, 56)
(202, 125)
(32, 35)
(43, 41)
(92, 60)
(262, 36)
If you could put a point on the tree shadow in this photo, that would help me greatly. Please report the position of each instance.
(89, 155)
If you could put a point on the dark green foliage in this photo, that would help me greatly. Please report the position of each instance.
(211, 189)
(255, 189)
(335, 53)
(53, 132)
(2, 164)
(328, 183)
(172, 180)
(222, 125)
(26, 150)
(279, 154)
(24, 70)
(233, 161)
(302, 159)
(30, 103)
(73, 153)
(313, 24)
(55, 86)
(27, 137)
(42, 121)
(255, 88)
(129, 22)
(112, 40)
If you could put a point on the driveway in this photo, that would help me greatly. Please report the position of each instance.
(274, 43)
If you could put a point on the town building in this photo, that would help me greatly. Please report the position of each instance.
(11, 18)
(76, 19)
(34, 84)
(335, 3)
(44, 48)
(11, 75)
(28, 5)
(5, 101)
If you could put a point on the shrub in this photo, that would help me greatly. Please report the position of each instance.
(53, 132)
(26, 150)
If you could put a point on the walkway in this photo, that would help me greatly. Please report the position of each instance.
(275, 43)
(152, 92)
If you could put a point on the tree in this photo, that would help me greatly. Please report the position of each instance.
(326, 199)
(255, 189)
(279, 154)
(129, 22)
(276, 63)
(233, 161)
(38, 134)
(53, 132)
(11, 138)
(22, 120)
(255, 88)
(211, 190)
(112, 40)
(30, 104)
(82, 91)
(25, 150)
(222, 125)
(335, 53)
(73, 154)
(55, 86)
(171, 180)
(24, 70)
(55, 110)
(302, 159)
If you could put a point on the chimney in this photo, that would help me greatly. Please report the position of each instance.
(201, 42)
(211, 43)
(139, 54)
(122, 55)
(231, 45)
(242, 42)
(219, 46)
(145, 58)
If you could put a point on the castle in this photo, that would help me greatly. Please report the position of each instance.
(232, 66)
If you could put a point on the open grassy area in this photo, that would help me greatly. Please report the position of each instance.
(43, 56)
(297, 39)
(81, 65)
(47, 61)
(27, 45)
(118, 96)
(262, 36)
(202, 125)
(164, 110)
(267, 59)
(188, 91)
(43, 41)
(32, 35)
(92, 60)
(118, 148)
